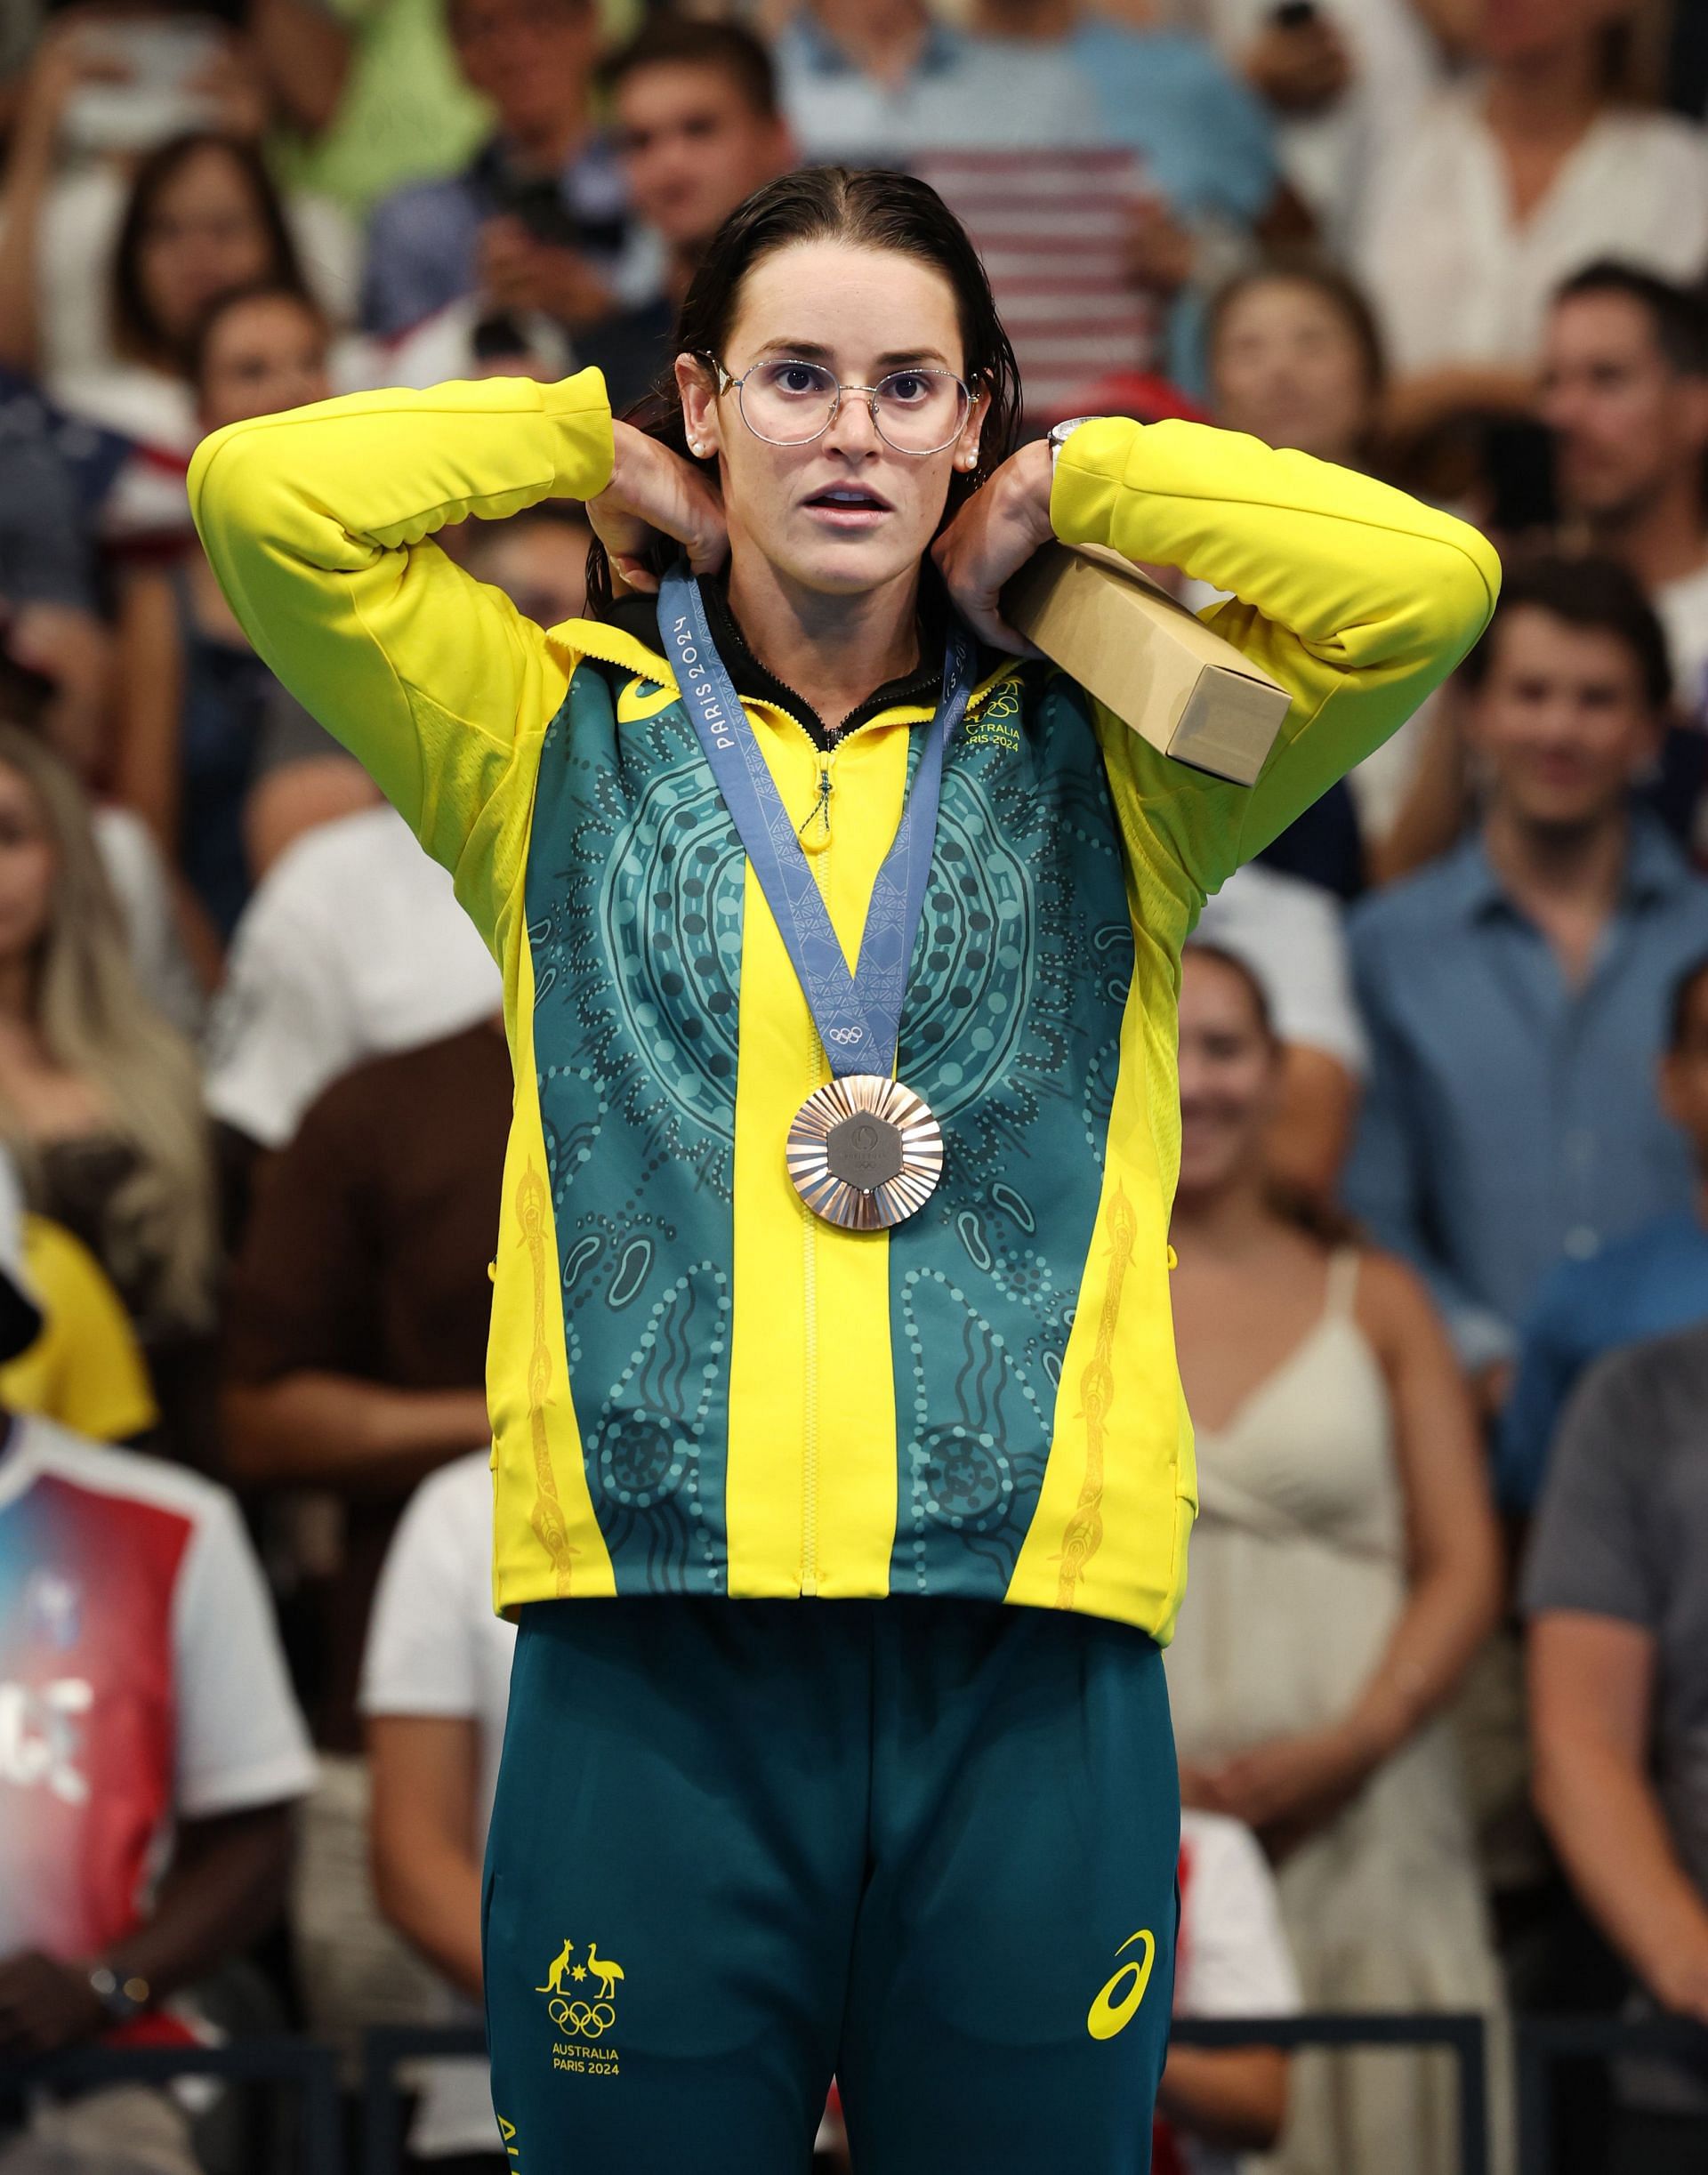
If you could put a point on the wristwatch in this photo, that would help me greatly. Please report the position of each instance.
(1060, 432)
(120, 1998)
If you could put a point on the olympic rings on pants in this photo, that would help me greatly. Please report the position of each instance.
(582, 2019)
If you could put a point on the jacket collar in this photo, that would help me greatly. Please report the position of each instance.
(630, 637)
(1656, 871)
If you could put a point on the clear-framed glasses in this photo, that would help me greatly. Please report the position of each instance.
(788, 402)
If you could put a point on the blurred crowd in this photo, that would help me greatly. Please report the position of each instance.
(1441, 1684)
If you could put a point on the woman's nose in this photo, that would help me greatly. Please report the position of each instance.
(852, 429)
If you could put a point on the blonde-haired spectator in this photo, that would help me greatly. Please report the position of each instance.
(100, 1098)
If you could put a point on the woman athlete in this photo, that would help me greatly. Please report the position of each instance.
(841, 1556)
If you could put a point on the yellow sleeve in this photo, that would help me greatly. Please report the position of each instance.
(85, 1370)
(318, 525)
(1357, 599)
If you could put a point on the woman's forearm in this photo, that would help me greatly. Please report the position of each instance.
(1361, 578)
(431, 1892)
(426, 1849)
(1606, 1823)
(310, 1426)
(1358, 600)
(321, 494)
(318, 524)
(1449, 1612)
(1454, 1566)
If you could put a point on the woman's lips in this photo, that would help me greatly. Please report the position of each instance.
(850, 514)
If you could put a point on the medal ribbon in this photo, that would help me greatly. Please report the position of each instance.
(857, 1015)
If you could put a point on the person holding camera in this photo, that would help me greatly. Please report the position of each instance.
(537, 225)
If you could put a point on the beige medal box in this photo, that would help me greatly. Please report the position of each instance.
(1188, 692)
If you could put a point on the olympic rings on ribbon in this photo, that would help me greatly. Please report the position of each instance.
(582, 2019)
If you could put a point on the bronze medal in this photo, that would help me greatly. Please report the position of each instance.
(864, 1152)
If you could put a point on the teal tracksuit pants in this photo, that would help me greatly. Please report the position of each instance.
(928, 1845)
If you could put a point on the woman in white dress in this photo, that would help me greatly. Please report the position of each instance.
(1345, 1570)
(1541, 159)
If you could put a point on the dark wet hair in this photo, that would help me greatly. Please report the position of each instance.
(1592, 593)
(876, 209)
(137, 332)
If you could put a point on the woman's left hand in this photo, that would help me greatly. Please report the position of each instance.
(1289, 1787)
(992, 538)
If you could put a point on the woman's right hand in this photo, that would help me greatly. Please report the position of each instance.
(652, 492)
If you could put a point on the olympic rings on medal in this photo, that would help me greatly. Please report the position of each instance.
(843, 1037)
(582, 2019)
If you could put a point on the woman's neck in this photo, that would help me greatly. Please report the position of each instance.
(1549, 98)
(831, 651)
(1224, 1221)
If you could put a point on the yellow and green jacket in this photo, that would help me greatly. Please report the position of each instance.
(696, 1386)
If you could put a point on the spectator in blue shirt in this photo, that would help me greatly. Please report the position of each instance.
(1517, 991)
(876, 82)
(1203, 140)
(539, 222)
(1207, 140)
(1643, 1286)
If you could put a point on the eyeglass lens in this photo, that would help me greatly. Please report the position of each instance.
(790, 403)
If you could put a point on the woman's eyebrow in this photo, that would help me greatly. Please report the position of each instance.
(814, 351)
(808, 350)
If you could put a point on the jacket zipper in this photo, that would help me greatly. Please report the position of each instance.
(820, 814)
(820, 845)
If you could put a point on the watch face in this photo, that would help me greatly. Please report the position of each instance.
(1060, 432)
